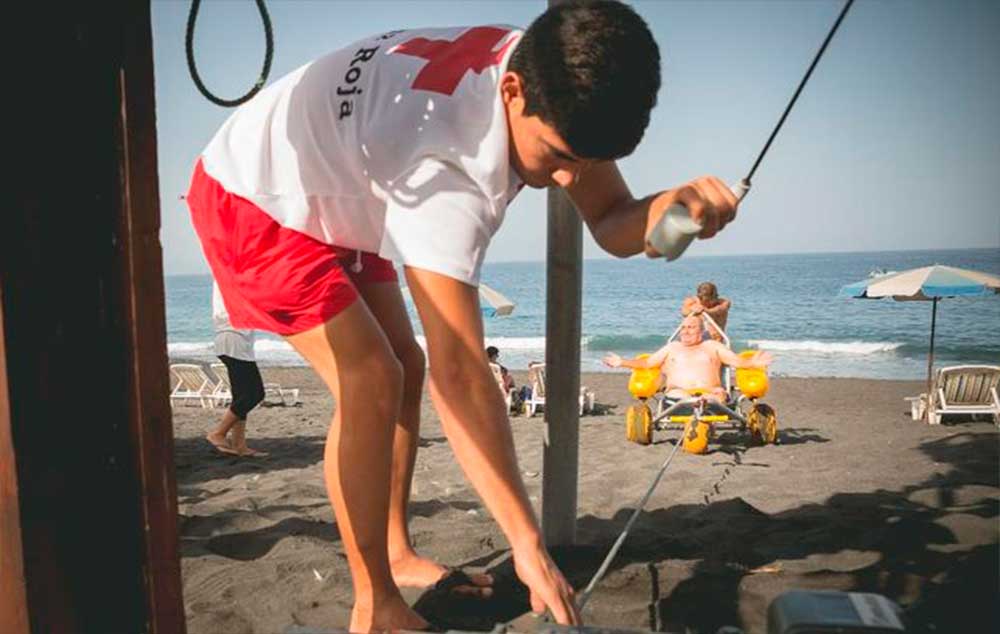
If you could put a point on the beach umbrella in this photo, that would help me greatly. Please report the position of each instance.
(492, 302)
(928, 283)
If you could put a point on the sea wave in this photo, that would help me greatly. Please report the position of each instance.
(503, 343)
(187, 347)
(624, 342)
(828, 347)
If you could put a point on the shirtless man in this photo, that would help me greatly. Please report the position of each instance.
(707, 301)
(691, 363)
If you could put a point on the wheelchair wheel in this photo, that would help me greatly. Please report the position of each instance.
(696, 436)
(755, 425)
(769, 420)
(639, 424)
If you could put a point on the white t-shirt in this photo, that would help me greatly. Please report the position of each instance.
(395, 145)
(232, 342)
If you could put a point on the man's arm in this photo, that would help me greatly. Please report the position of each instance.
(474, 418)
(759, 359)
(654, 360)
(720, 309)
(619, 222)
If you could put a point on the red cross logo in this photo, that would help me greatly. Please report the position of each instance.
(448, 61)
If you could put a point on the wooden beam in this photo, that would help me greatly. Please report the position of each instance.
(84, 336)
(143, 306)
(13, 601)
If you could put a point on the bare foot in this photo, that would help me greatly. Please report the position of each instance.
(247, 452)
(416, 572)
(220, 443)
(388, 617)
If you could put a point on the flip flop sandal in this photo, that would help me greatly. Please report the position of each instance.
(456, 578)
(222, 448)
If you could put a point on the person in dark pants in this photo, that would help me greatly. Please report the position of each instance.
(234, 347)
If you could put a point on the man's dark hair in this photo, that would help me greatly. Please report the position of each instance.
(591, 70)
(492, 351)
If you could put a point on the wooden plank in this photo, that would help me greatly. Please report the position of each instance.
(84, 328)
(150, 425)
(13, 599)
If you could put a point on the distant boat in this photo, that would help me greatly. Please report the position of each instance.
(879, 272)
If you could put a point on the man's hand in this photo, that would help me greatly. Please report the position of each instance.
(691, 306)
(612, 360)
(547, 586)
(761, 359)
(709, 201)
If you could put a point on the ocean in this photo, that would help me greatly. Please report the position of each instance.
(787, 304)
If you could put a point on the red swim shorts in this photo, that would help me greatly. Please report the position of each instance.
(273, 278)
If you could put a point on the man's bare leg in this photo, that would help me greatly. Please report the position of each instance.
(408, 568)
(351, 354)
(218, 435)
(239, 443)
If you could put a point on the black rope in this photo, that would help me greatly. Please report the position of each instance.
(829, 36)
(189, 45)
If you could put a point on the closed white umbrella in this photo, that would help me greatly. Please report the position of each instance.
(492, 302)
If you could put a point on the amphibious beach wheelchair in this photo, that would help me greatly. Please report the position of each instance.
(696, 415)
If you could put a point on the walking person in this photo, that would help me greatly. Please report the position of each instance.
(234, 347)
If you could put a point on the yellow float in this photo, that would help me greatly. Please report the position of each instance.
(643, 384)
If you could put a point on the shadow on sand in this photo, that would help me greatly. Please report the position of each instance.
(699, 557)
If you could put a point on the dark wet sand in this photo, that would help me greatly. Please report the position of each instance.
(856, 497)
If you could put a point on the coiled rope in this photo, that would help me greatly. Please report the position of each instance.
(189, 46)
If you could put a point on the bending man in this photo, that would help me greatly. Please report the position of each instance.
(692, 363)
(407, 146)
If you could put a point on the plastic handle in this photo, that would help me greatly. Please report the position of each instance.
(675, 230)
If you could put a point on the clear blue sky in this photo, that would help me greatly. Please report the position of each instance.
(895, 143)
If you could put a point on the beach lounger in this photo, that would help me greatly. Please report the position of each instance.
(277, 395)
(960, 389)
(191, 384)
(274, 394)
(222, 395)
(536, 377)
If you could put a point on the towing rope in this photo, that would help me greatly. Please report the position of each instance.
(802, 84)
(585, 595)
(189, 46)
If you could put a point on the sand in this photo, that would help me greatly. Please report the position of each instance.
(856, 497)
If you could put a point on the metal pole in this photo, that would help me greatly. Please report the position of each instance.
(930, 355)
(564, 290)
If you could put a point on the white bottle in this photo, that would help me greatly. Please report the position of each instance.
(676, 229)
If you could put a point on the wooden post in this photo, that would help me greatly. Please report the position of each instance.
(83, 378)
(13, 604)
(563, 293)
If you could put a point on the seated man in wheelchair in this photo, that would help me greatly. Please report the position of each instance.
(692, 365)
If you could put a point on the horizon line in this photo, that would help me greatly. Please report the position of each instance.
(715, 255)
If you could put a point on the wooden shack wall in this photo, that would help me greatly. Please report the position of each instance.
(91, 536)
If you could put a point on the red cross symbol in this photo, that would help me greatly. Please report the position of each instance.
(448, 61)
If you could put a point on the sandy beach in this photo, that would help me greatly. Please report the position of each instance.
(856, 497)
